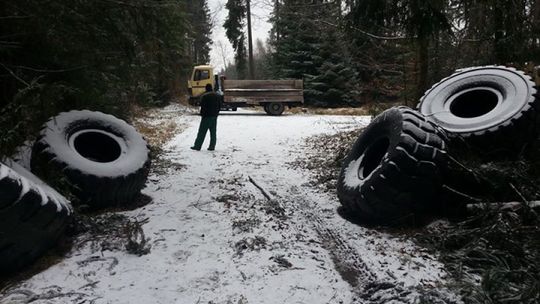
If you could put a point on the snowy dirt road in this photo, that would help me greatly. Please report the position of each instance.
(217, 239)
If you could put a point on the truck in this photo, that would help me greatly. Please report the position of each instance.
(272, 95)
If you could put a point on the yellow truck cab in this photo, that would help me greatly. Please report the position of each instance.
(272, 95)
(200, 77)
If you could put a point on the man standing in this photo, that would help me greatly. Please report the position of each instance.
(210, 107)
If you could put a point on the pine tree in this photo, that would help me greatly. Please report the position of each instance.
(201, 29)
(334, 84)
(296, 52)
(308, 47)
(234, 26)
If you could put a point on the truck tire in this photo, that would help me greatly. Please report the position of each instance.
(394, 171)
(102, 157)
(275, 108)
(493, 108)
(32, 217)
(194, 101)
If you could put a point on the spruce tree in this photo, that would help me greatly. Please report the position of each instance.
(234, 27)
(201, 29)
(308, 47)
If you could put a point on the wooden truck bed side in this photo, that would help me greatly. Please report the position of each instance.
(255, 92)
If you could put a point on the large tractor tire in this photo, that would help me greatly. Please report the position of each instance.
(102, 157)
(394, 171)
(490, 108)
(32, 217)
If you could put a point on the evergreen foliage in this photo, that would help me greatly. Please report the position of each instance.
(304, 48)
(353, 52)
(201, 29)
(101, 55)
(234, 26)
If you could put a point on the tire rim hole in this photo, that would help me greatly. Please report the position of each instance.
(474, 103)
(97, 146)
(373, 156)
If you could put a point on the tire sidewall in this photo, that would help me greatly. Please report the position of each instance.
(59, 131)
(388, 125)
(514, 92)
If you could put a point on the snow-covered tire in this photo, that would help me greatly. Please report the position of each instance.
(32, 217)
(394, 171)
(105, 159)
(275, 108)
(488, 107)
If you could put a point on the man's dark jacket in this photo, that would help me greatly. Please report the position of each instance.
(210, 104)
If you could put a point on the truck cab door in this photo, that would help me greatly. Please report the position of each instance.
(199, 79)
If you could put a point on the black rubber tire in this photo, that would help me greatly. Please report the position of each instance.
(275, 108)
(394, 171)
(194, 101)
(492, 108)
(104, 159)
(265, 107)
(32, 217)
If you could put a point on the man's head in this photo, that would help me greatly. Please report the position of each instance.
(208, 88)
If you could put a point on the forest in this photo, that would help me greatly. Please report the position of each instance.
(111, 55)
(105, 55)
(354, 52)
(274, 213)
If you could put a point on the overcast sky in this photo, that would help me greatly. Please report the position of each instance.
(221, 48)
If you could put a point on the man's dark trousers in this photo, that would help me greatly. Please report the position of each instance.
(207, 123)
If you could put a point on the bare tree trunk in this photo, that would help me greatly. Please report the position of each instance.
(276, 22)
(535, 12)
(423, 65)
(250, 41)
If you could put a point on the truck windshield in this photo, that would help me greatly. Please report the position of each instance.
(201, 75)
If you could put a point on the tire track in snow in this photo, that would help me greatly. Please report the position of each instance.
(371, 286)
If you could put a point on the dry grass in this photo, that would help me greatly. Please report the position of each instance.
(369, 109)
(156, 127)
(323, 157)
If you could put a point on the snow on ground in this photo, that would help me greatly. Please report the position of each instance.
(217, 239)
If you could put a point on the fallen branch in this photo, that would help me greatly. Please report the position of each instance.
(461, 194)
(197, 205)
(535, 205)
(32, 297)
(268, 196)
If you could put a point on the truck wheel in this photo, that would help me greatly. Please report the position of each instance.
(194, 101)
(103, 157)
(275, 108)
(393, 173)
(490, 107)
(32, 217)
